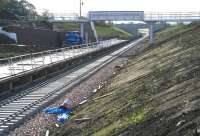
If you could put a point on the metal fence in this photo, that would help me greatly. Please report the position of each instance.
(63, 16)
(172, 16)
(21, 64)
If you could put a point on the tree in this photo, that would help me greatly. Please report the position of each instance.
(28, 8)
(19, 8)
(3, 2)
(46, 14)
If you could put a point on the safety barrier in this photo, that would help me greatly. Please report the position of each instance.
(172, 16)
(14, 66)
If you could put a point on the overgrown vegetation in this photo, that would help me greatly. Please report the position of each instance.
(157, 92)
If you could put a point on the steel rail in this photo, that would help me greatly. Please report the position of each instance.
(33, 61)
(17, 109)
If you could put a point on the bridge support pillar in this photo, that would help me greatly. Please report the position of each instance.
(86, 38)
(82, 29)
(151, 32)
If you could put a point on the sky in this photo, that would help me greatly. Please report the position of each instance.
(72, 6)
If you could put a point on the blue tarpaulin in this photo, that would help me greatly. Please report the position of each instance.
(62, 113)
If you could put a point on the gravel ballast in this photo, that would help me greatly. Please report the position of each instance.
(39, 124)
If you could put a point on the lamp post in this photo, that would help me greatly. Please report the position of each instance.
(81, 24)
(81, 3)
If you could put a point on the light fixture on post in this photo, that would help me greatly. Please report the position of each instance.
(81, 4)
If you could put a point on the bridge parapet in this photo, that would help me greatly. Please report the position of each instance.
(67, 17)
(144, 16)
(172, 16)
(122, 16)
(116, 15)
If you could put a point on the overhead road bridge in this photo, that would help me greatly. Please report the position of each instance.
(116, 15)
(149, 17)
(75, 19)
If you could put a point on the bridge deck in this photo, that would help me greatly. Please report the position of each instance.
(172, 17)
(122, 16)
(144, 16)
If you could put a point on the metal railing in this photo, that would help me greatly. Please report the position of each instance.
(63, 16)
(172, 16)
(66, 17)
(29, 62)
(117, 16)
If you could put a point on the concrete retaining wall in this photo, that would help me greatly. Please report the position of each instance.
(40, 37)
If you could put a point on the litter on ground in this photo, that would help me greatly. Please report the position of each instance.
(62, 112)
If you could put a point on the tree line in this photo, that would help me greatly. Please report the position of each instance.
(18, 7)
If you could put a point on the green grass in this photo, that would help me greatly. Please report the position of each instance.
(135, 118)
(104, 31)
(108, 31)
(68, 27)
(173, 31)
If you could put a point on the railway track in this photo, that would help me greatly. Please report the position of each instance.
(15, 110)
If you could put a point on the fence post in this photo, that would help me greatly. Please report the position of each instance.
(22, 63)
(57, 56)
(10, 66)
(43, 58)
(50, 56)
(63, 51)
(31, 60)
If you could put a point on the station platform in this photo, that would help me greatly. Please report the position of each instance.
(21, 64)
(17, 73)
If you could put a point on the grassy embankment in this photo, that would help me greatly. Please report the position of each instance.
(106, 31)
(156, 93)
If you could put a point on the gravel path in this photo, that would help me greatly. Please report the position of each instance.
(37, 125)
